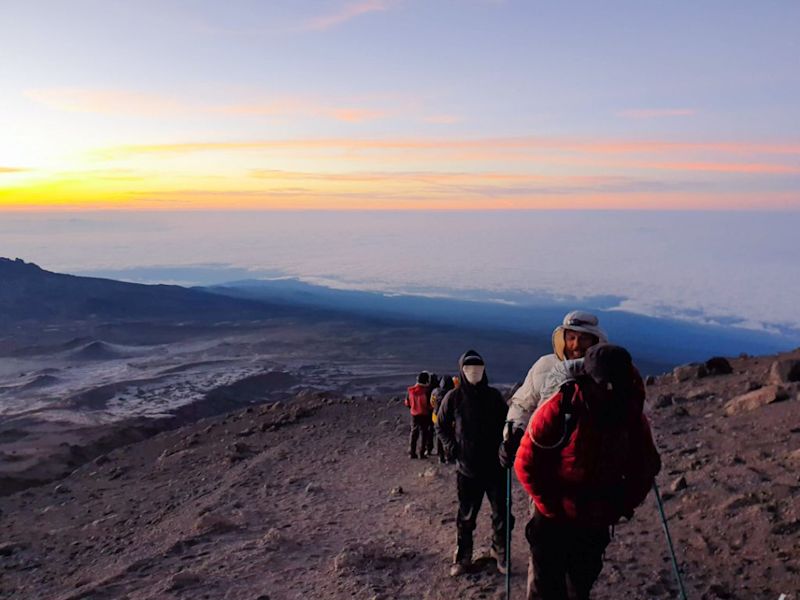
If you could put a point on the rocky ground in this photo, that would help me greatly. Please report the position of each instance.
(67, 398)
(315, 497)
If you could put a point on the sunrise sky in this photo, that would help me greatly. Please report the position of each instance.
(399, 104)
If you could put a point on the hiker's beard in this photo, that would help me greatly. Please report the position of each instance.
(574, 354)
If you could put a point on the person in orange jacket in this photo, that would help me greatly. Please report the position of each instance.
(418, 400)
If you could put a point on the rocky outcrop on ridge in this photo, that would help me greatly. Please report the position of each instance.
(315, 497)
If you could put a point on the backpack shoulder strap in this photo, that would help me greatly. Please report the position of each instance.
(567, 413)
(568, 391)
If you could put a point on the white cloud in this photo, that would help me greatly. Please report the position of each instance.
(715, 267)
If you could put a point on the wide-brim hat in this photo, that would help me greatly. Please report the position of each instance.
(577, 320)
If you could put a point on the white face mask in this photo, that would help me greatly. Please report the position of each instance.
(474, 373)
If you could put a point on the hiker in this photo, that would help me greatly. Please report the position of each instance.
(418, 400)
(584, 473)
(433, 385)
(578, 332)
(469, 423)
(438, 394)
(434, 381)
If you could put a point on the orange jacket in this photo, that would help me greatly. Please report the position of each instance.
(418, 400)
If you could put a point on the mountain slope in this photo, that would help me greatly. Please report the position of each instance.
(301, 499)
(31, 294)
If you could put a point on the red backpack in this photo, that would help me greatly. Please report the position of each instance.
(588, 454)
(418, 400)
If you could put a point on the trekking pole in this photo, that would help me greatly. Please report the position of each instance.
(508, 434)
(675, 567)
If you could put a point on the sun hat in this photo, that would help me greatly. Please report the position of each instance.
(577, 320)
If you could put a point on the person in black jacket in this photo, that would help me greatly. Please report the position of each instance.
(438, 394)
(470, 423)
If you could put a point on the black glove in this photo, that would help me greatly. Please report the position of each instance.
(508, 449)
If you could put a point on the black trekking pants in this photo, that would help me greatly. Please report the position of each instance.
(440, 450)
(470, 496)
(421, 427)
(562, 551)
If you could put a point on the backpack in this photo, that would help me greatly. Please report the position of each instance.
(418, 400)
(594, 452)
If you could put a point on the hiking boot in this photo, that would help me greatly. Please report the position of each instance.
(412, 455)
(500, 557)
(462, 560)
(459, 568)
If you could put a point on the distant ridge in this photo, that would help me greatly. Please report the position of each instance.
(657, 343)
(29, 293)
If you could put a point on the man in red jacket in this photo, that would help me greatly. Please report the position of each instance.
(418, 400)
(587, 459)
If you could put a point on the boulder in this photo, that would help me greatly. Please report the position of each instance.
(755, 399)
(785, 371)
(718, 365)
(213, 523)
(688, 371)
(182, 580)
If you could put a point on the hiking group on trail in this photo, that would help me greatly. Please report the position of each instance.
(576, 437)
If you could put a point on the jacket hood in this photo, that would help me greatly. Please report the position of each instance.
(446, 383)
(577, 320)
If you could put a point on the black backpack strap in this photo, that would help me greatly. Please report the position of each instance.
(567, 412)
(568, 391)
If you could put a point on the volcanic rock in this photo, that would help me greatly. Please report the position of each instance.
(213, 523)
(755, 399)
(688, 371)
(679, 484)
(182, 580)
(718, 365)
(784, 371)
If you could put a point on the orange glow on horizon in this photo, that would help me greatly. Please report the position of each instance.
(517, 173)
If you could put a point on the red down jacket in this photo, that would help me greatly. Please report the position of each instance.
(606, 466)
(419, 400)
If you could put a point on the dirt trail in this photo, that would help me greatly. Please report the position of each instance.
(299, 500)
